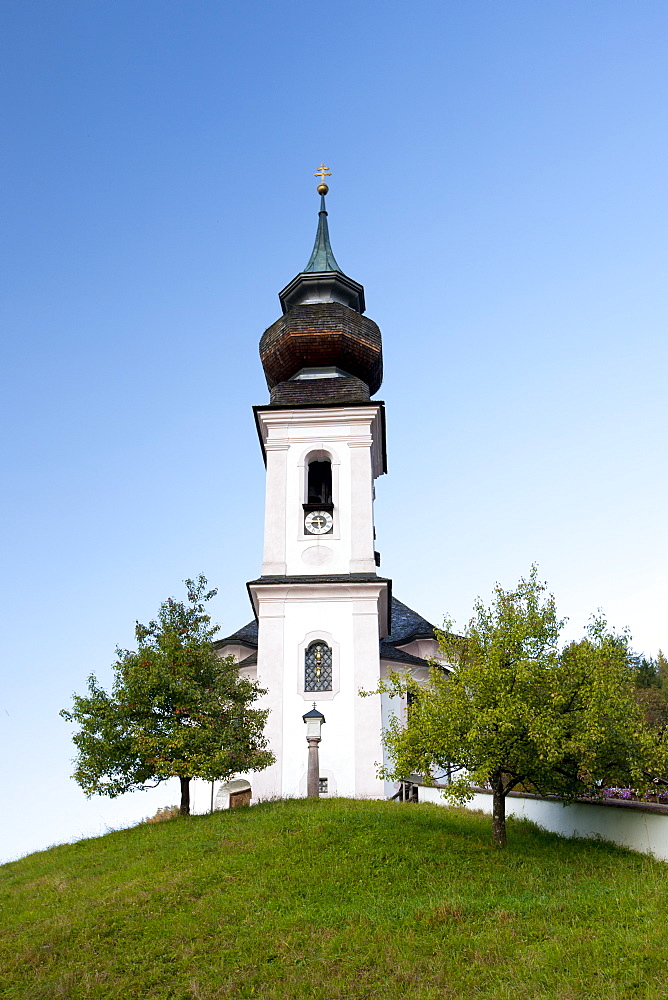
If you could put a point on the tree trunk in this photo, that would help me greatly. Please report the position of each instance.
(185, 796)
(498, 815)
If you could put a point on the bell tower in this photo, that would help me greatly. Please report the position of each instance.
(322, 609)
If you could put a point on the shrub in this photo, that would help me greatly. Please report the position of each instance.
(167, 812)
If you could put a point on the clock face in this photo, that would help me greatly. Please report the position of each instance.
(318, 522)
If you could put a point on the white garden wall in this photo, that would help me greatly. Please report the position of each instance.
(641, 827)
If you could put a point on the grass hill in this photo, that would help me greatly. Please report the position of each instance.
(331, 900)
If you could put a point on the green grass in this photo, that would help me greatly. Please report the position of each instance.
(329, 900)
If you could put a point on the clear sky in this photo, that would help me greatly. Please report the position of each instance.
(499, 187)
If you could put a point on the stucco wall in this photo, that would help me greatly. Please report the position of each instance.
(351, 438)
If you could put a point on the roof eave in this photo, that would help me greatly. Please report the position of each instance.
(322, 286)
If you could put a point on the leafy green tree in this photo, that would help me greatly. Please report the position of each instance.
(647, 674)
(651, 681)
(654, 706)
(518, 711)
(176, 709)
(662, 670)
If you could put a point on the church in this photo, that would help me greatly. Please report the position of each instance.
(325, 621)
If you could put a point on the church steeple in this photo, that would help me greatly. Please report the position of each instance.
(322, 258)
(321, 607)
(322, 350)
(322, 280)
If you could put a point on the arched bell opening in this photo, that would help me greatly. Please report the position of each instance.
(319, 483)
(318, 494)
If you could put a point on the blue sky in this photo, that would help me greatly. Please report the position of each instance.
(499, 187)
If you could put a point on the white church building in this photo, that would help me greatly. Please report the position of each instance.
(325, 623)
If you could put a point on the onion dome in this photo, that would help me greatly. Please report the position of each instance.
(322, 350)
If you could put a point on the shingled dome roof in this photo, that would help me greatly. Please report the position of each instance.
(322, 350)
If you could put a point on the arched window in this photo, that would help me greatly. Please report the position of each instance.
(318, 667)
(320, 483)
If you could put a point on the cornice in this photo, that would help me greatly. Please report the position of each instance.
(317, 416)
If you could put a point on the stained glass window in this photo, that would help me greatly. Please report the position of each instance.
(318, 667)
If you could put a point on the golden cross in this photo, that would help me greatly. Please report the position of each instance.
(322, 172)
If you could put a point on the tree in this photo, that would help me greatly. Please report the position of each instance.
(516, 711)
(651, 681)
(646, 673)
(176, 709)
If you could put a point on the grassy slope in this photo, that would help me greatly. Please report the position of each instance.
(329, 900)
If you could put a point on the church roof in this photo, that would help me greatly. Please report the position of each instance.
(321, 577)
(389, 652)
(246, 636)
(322, 258)
(322, 280)
(250, 661)
(406, 625)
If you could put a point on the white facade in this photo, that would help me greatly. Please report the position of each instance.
(351, 438)
(323, 588)
(349, 615)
